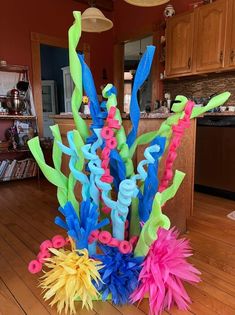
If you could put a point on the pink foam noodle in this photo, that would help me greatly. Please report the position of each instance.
(43, 255)
(111, 143)
(105, 237)
(107, 133)
(163, 272)
(45, 245)
(106, 209)
(58, 241)
(178, 132)
(125, 247)
(34, 266)
(105, 153)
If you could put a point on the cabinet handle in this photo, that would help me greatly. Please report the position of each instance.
(232, 55)
(189, 62)
(221, 57)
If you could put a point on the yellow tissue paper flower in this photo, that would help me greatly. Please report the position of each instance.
(70, 276)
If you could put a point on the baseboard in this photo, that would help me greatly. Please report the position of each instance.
(215, 191)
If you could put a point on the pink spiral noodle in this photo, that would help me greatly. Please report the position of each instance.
(178, 131)
(105, 237)
(57, 241)
(108, 134)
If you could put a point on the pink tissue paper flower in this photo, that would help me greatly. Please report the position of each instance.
(164, 270)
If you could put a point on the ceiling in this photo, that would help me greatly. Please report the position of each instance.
(101, 4)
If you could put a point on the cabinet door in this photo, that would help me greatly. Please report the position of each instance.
(179, 44)
(210, 38)
(230, 38)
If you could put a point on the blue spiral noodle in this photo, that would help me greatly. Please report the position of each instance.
(151, 181)
(72, 152)
(142, 174)
(94, 165)
(127, 189)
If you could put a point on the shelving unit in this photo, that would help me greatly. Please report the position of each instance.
(16, 162)
(14, 68)
(17, 117)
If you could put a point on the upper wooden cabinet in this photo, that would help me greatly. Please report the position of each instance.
(210, 36)
(201, 41)
(179, 43)
(230, 36)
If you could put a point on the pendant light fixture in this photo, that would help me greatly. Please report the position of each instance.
(146, 3)
(94, 21)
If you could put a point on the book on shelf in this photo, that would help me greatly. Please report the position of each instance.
(22, 168)
(17, 169)
(4, 165)
(26, 170)
(35, 168)
(13, 175)
(7, 171)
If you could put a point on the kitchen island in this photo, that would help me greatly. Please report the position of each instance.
(179, 208)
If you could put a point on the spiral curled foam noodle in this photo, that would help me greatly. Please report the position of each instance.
(71, 275)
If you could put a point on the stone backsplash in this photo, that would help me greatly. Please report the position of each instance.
(202, 86)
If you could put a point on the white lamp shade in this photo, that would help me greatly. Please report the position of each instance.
(93, 20)
(147, 3)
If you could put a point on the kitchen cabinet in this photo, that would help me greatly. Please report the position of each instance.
(230, 38)
(179, 44)
(210, 36)
(201, 41)
(215, 167)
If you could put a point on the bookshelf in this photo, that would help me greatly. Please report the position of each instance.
(17, 169)
(17, 117)
(16, 161)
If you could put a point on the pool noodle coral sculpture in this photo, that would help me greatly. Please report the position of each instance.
(142, 255)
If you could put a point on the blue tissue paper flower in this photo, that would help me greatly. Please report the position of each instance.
(119, 276)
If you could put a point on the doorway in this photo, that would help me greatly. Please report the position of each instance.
(53, 83)
(37, 40)
(133, 51)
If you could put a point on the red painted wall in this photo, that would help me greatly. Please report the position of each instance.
(54, 17)
(129, 20)
(49, 17)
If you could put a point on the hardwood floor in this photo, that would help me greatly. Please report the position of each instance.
(27, 213)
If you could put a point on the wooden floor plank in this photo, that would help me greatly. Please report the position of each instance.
(209, 302)
(201, 265)
(26, 219)
(225, 232)
(129, 310)
(105, 308)
(8, 305)
(213, 251)
(29, 303)
(144, 307)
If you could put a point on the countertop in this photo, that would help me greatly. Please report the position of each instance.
(124, 116)
(144, 115)
(224, 114)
